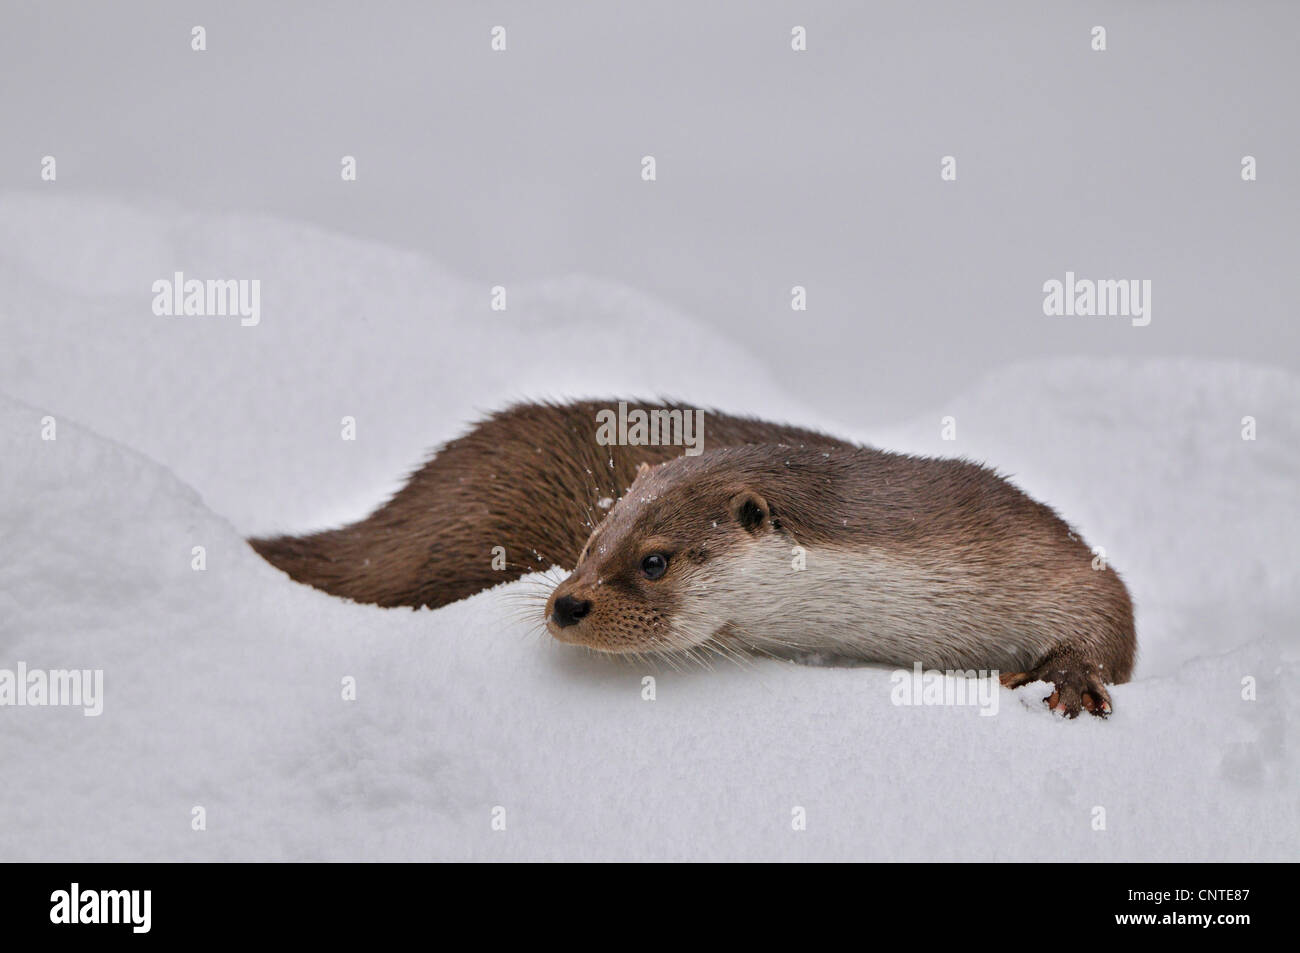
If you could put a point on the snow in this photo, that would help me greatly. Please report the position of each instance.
(223, 686)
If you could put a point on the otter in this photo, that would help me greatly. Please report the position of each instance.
(776, 540)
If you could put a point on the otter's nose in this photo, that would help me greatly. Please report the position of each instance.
(569, 610)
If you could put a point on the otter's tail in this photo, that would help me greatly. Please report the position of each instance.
(353, 562)
(318, 559)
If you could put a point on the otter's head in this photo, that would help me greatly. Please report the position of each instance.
(659, 574)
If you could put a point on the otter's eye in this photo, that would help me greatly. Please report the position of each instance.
(654, 565)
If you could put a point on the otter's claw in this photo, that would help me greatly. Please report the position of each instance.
(1078, 686)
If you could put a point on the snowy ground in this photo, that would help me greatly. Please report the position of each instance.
(222, 687)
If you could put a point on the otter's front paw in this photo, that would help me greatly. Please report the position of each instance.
(1078, 686)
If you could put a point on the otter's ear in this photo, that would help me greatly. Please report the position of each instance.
(642, 470)
(749, 510)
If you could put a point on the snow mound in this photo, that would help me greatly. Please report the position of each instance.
(224, 690)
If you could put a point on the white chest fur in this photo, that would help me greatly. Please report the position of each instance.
(882, 605)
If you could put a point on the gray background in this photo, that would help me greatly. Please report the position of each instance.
(775, 168)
